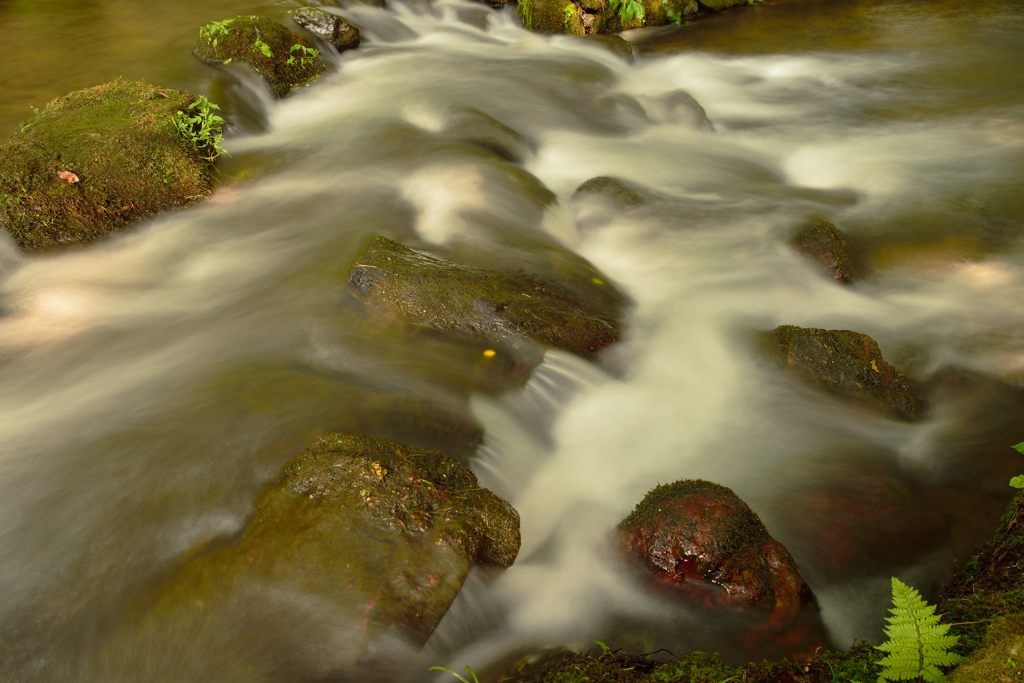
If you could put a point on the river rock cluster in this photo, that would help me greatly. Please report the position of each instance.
(381, 526)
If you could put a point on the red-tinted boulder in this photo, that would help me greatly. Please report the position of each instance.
(705, 542)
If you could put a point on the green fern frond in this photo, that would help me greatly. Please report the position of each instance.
(918, 643)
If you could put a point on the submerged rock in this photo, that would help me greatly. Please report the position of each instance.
(700, 537)
(511, 312)
(95, 160)
(378, 534)
(328, 27)
(822, 242)
(613, 189)
(846, 364)
(282, 58)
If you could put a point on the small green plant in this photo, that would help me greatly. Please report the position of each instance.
(568, 15)
(918, 644)
(300, 54)
(202, 127)
(629, 10)
(214, 30)
(260, 46)
(469, 670)
(1018, 481)
(674, 15)
(524, 10)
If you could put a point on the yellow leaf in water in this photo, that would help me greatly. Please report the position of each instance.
(490, 353)
(874, 366)
(598, 281)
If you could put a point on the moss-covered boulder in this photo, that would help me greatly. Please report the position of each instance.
(382, 533)
(846, 364)
(507, 312)
(96, 160)
(282, 58)
(328, 27)
(701, 539)
(823, 243)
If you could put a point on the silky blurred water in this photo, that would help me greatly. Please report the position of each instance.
(150, 385)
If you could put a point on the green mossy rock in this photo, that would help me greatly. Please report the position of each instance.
(382, 532)
(823, 243)
(119, 139)
(590, 17)
(508, 312)
(240, 45)
(848, 365)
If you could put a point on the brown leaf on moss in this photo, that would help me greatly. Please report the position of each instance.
(68, 177)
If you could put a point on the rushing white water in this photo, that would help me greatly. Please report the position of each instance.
(152, 383)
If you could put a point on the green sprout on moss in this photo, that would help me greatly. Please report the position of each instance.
(469, 670)
(202, 127)
(918, 644)
(1018, 481)
(524, 10)
(300, 54)
(628, 10)
(260, 46)
(568, 14)
(214, 30)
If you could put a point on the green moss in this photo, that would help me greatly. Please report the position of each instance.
(118, 138)
(265, 45)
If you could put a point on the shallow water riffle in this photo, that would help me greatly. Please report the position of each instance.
(152, 384)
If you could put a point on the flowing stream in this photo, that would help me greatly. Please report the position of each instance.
(150, 385)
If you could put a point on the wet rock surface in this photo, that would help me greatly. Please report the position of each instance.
(702, 538)
(511, 313)
(382, 533)
(267, 47)
(93, 161)
(328, 27)
(823, 243)
(846, 364)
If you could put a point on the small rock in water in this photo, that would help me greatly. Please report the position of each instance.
(705, 542)
(847, 364)
(822, 242)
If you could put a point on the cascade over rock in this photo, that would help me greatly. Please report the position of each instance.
(382, 532)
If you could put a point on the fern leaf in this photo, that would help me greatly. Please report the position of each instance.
(918, 643)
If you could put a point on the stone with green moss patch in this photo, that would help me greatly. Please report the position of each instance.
(266, 46)
(847, 364)
(376, 532)
(119, 140)
(509, 312)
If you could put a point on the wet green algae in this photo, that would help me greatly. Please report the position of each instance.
(119, 139)
(265, 45)
(383, 532)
